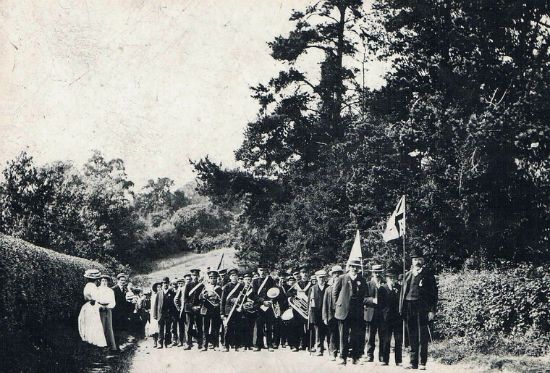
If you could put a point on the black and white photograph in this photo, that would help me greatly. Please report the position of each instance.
(274, 186)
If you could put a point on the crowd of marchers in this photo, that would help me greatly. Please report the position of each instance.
(341, 312)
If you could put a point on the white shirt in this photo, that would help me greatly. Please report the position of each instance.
(105, 296)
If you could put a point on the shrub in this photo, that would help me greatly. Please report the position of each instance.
(38, 288)
(498, 310)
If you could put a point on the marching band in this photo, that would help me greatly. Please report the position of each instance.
(341, 313)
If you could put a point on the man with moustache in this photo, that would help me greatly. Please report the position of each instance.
(348, 293)
(195, 319)
(417, 304)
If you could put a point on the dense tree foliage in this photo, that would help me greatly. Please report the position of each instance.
(460, 128)
(94, 213)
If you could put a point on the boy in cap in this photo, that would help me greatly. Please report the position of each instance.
(417, 304)
(391, 321)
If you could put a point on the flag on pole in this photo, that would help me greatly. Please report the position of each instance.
(221, 262)
(356, 253)
(396, 223)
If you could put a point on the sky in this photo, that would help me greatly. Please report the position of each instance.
(156, 83)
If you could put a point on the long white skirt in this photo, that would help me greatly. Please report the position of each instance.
(89, 325)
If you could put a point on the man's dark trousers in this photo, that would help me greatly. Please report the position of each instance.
(416, 317)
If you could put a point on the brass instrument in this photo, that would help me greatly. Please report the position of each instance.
(273, 293)
(299, 303)
(242, 305)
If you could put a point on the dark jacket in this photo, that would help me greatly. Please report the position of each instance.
(261, 294)
(165, 306)
(328, 305)
(229, 301)
(315, 301)
(388, 302)
(372, 308)
(211, 301)
(342, 292)
(427, 292)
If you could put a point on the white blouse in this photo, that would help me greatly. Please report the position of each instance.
(105, 296)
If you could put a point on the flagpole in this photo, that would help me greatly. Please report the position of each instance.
(404, 263)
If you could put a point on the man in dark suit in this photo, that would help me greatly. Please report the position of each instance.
(417, 304)
(194, 325)
(265, 319)
(391, 321)
(348, 293)
(328, 314)
(122, 310)
(315, 300)
(184, 306)
(164, 312)
(231, 293)
(303, 284)
(372, 311)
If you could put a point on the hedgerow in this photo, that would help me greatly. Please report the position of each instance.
(504, 310)
(38, 288)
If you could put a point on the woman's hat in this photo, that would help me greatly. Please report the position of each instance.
(92, 274)
(104, 275)
(156, 284)
(321, 273)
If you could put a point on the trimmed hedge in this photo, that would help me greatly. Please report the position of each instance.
(503, 310)
(38, 288)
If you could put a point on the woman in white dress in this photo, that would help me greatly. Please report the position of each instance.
(105, 297)
(152, 326)
(89, 321)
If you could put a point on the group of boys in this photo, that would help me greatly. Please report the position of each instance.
(341, 312)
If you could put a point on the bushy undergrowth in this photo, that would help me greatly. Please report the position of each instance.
(38, 288)
(504, 310)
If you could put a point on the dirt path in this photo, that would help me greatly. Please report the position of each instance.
(176, 360)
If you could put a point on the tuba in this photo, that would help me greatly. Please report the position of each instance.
(299, 303)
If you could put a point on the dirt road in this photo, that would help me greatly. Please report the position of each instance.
(176, 360)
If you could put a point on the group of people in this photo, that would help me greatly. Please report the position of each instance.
(342, 312)
(108, 312)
